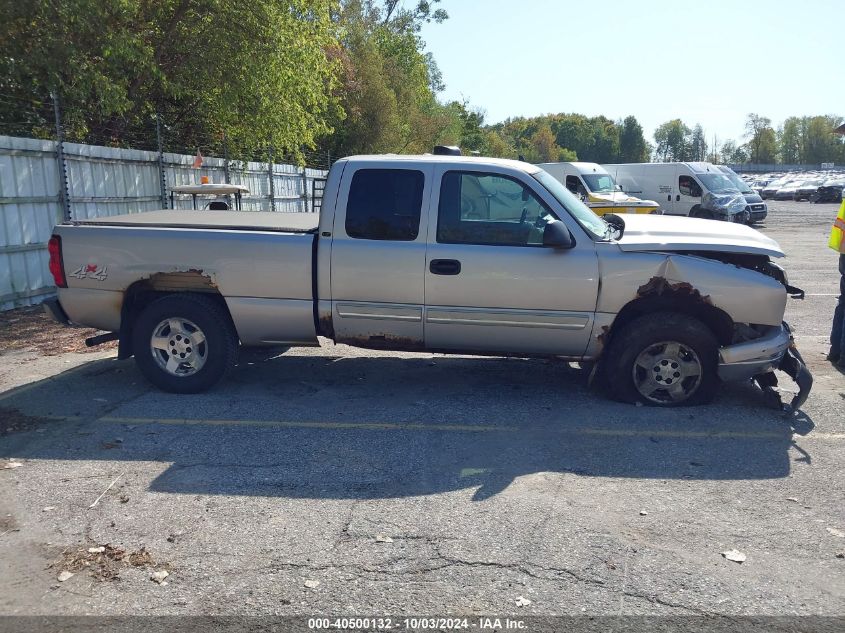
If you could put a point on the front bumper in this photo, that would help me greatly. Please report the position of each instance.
(746, 360)
(774, 350)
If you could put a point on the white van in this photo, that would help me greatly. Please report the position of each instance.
(698, 190)
(597, 188)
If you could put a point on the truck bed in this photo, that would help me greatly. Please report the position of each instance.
(206, 219)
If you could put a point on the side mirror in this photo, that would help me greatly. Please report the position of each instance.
(556, 235)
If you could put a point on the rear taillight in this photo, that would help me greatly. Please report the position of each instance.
(57, 266)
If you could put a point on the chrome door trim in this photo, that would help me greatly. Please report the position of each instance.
(379, 311)
(509, 318)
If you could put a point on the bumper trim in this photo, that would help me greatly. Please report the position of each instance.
(55, 311)
(764, 354)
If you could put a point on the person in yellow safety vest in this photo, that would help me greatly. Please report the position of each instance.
(837, 334)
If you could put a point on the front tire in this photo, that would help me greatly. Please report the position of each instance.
(663, 359)
(703, 214)
(184, 343)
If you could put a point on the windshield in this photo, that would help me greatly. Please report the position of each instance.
(716, 182)
(588, 220)
(738, 182)
(599, 183)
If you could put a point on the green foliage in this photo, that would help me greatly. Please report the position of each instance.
(258, 70)
(762, 141)
(388, 84)
(576, 137)
(733, 153)
(632, 144)
(791, 140)
(810, 140)
(673, 140)
(697, 145)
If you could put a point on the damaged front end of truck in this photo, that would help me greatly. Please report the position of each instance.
(722, 274)
(773, 347)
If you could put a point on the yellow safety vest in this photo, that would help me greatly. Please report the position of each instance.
(838, 231)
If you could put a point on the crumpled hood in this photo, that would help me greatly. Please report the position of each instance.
(671, 233)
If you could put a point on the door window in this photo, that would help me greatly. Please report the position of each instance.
(689, 187)
(574, 185)
(478, 208)
(385, 204)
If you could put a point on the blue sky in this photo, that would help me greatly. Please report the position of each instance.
(710, 63)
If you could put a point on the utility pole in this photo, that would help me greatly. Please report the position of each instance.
(64, 192)
(162, 181)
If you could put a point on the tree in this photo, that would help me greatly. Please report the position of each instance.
(672, 139)
(388, 88)
(632, 144)
(259, 71)
(497, 146)
(545, 148)
(790, 139)
(697, 145)
(821, 145)
(732, 153)
(762, 141)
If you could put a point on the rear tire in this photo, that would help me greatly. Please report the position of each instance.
(184, 343)
(663, 359)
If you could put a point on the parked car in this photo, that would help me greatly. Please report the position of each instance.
(759, 184)
(398, 258)
(771, 189)
(787, 190)
(699, 190)
(830, 190)
(807, 189)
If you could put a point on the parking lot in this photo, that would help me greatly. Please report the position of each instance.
(342, 481)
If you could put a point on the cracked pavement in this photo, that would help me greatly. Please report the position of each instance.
(492, 479)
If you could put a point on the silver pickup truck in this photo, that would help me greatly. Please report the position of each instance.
(441, 253)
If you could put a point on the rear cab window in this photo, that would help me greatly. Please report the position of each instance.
(385, 204)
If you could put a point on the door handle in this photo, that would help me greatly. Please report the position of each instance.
(678, 198)
(445, 266)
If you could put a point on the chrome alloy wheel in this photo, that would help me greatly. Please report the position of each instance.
(179, 347)
(667, 372)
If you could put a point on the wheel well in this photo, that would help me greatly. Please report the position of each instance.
(141, 293)
(716, 320)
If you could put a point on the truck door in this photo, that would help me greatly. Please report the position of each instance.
(490, 285)
(378, 255)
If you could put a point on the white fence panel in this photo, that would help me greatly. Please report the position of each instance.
(107, 181)
(29, 206)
